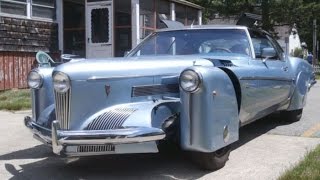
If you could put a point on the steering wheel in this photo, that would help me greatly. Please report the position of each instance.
(219, 48)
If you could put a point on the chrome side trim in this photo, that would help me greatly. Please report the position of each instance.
(170, 98)
(99, 78)
(266, 78)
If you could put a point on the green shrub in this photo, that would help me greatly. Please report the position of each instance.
(298, 52)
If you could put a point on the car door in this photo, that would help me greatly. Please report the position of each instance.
(267, 84)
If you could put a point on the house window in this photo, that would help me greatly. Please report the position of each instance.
(147, 17)
(122, 27)
(43, 9)
(163, 10)
(28, 8)
(192, 16)
(181, 14)
(16, 7)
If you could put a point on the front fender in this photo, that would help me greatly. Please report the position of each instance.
(209, 117)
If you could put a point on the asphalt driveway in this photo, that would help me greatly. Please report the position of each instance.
(266, 148)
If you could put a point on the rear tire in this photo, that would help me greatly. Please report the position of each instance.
(211, 161)
(292, 116)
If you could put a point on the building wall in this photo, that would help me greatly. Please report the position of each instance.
(14, 68)
(20, 39)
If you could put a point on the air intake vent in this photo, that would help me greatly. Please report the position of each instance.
(111, 119)
(226, 63)
(95, 148)
(149, 90)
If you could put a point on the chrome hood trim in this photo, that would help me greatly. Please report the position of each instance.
(95, 69)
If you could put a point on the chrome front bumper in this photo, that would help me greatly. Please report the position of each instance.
(60, 139)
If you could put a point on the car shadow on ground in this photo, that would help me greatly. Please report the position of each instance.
(171, 164)
(258, 128)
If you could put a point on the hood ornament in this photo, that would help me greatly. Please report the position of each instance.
(107, 88)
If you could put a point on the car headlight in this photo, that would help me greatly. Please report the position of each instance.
(190, 80)
(61, 82)
(35, 80)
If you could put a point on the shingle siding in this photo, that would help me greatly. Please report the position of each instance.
(25, 35)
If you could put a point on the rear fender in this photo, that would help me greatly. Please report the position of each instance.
(209, 117)
(299, 96)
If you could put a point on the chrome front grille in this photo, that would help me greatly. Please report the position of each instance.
(62, 104)
(111, 119)
(95, 148)
(34, 104)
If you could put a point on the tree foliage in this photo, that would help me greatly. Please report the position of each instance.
(274, 13)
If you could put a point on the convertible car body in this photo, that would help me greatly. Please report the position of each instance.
(194, 85)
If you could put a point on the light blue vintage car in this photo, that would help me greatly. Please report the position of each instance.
(193, 85)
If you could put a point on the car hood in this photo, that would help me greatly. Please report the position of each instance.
(129, 67)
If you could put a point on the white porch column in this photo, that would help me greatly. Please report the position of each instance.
(135, 14)
(59, 17)
(173, 11)
(200, 17)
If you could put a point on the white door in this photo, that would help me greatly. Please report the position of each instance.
(99, 30)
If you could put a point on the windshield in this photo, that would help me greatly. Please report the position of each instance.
(217, 42)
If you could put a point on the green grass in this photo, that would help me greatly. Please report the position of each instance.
(309, 168)
(16, 99)
(318, 76)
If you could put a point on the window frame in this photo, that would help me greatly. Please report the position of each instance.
(272, 43)
(29, 4)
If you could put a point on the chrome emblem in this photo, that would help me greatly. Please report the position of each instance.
(107, 89)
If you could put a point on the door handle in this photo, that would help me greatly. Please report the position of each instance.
(88, 40)
(285, 69)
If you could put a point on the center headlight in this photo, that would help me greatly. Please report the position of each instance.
(61, 82)
(190, 80)
(35, 80)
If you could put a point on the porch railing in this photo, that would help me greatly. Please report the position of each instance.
(316, 69)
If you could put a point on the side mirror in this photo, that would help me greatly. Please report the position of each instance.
(268, 53)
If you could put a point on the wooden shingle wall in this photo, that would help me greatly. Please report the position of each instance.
(20, 39)
(28, 35)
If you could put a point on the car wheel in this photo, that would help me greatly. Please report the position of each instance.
(211, 161)
(292, 116)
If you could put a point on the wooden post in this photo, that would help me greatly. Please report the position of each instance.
(314, 59)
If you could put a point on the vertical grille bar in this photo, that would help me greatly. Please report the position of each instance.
(62, 104)
(111, 119)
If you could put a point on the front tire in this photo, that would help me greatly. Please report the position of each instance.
(211, 161)
(292, 116)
